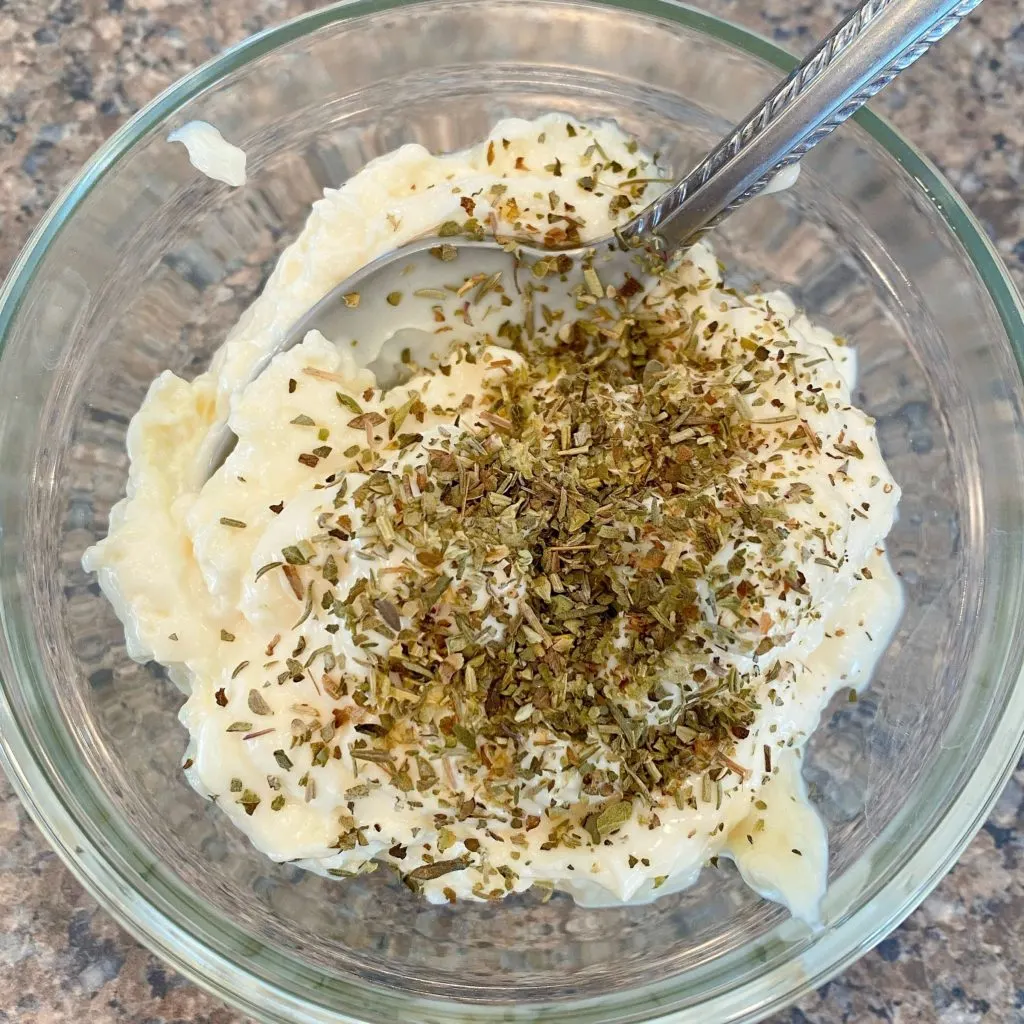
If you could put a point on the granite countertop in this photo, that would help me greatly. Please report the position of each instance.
(71, 71)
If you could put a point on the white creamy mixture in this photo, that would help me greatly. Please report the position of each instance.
(229, 584)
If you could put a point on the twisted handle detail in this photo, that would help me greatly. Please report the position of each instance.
(858, 58)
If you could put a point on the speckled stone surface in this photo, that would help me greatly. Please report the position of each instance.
(71, 71)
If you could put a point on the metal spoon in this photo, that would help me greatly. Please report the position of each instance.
(390, 305)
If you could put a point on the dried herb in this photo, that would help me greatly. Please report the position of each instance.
(257, 704)
(249, 801)
(348, 402)
(604, 822)
(428, 872)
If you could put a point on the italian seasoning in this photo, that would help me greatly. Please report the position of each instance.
(590, 575)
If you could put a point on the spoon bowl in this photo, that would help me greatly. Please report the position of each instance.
(399, 311)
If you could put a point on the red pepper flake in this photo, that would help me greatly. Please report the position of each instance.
(630, 287)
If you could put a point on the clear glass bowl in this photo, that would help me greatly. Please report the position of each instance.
(143, 265)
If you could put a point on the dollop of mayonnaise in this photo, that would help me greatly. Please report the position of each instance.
(215, 578)
(210, 153)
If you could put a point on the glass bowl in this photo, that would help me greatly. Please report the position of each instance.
(143, 265)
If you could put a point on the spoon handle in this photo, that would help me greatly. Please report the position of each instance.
(859, 57)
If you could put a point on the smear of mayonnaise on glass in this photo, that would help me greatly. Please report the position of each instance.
(210, 153)
(781, 180)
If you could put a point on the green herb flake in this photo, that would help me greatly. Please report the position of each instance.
(292, 555)
(257, 704)
(348, 402)
(249, 801)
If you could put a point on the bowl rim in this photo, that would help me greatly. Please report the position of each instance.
(224, 975)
